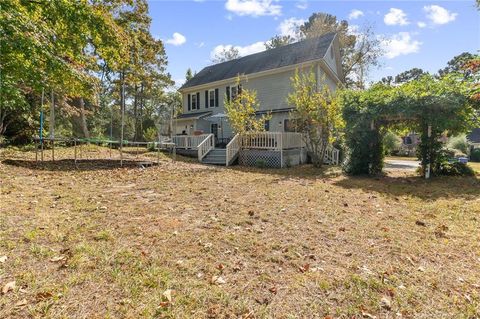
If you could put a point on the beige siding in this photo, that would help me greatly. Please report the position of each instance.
(272, 91)
(330, 59)
(324, 78)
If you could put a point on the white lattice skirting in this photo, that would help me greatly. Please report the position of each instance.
(272, 158)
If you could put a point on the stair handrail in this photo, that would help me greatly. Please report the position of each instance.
(332, 155)
(232, 149)
(206, 146)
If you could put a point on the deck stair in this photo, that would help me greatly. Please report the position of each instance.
(217, 156)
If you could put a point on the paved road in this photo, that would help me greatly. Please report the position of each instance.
(401, 164)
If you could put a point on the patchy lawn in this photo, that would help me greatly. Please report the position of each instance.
(183, 240)
(475, 166)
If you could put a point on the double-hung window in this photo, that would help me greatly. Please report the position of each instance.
(194, 102)
(211, 98)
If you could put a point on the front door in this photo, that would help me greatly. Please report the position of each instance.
(214, 129)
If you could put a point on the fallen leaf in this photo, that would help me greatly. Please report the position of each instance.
(386, 303)
(168, 294)
(21, 303)
(273, 290)
(57, 258)
(8, 286)
(367, 315)
(43, 295)
(304, 268)
(3, 259)
(217, 280)
(420, 223)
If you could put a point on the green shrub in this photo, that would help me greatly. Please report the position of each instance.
(459, 143)
(475, 155)
(455, 169)
(391, 143)
(260, 163)
(151, 147)
(150, 134)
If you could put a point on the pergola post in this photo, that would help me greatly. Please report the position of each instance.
(428, 166)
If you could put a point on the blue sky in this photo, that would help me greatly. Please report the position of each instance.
(422, 34)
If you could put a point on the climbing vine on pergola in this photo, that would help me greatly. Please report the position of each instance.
(428, 106)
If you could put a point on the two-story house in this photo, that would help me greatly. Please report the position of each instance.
(269, 73)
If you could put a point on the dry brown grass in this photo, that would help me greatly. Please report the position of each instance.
(293, 243)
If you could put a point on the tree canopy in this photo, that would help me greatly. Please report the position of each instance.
(227, 54)
(79, 50)
(442, 104)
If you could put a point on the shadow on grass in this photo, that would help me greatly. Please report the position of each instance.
(82, 165)
(306, 171)
(416, 186)
(396, 186)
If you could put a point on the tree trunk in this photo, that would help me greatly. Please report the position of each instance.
(79, 119)
(3, 124)
(142, 101)
(135, 112)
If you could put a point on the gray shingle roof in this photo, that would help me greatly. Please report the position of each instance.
(299, 52)
(474, 136)
(193, 115)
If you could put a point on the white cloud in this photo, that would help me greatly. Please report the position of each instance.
(400, 44)
(302, 4)
(179, 82)
(290, 27)
(200, 44)
(439, 15)
(421, 24)
(355, 14)
(254, 8)
(395, 17)
(177, 39)
(242, 51)
(354, 29)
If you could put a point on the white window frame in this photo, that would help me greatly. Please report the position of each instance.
(210, 92)
(194, 95)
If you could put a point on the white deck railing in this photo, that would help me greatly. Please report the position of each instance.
(188, 141)
(272, 140)
(233, 147)
(332, 155)
(206, 146)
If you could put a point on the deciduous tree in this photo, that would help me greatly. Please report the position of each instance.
(316, 113)
(241, 111)
(360, 48)
(278, 41)
(227, 54)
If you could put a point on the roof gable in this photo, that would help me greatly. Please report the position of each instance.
(295, 53)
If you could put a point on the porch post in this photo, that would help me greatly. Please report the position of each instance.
(281, 149)
(427, 169)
